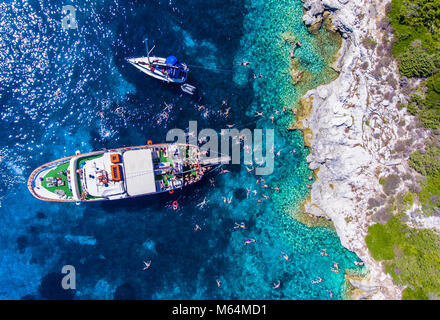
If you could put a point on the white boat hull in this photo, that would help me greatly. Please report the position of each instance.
(144, 64)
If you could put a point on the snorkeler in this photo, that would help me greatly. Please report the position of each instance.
(258, 114)
(203, 203)
(285, 256)
(245, 63)
(147, 265)
(324, 252)
(248, 241)
(197, 228)
(319, 280)
(239, 225)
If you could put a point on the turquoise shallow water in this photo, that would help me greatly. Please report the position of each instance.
(54, 84)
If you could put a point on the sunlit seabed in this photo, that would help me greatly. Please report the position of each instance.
(55, 82)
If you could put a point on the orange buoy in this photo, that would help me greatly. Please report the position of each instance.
(149, 142)
(171, 191)
(175, 205)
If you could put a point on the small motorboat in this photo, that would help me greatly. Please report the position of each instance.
(187, 88)
(167, 69)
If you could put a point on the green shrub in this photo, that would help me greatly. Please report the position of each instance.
(412, 256)
(380, 242)
(433, 83)
(421, 13)
(415, 62)
(407, 29)
(369, 43)
(428, 163)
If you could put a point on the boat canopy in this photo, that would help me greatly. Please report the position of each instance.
(175, 69)
(171, 61)
(139, 172)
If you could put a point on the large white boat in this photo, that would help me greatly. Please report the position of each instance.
(120, 173)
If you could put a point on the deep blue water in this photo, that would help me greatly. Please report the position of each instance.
(53, 85)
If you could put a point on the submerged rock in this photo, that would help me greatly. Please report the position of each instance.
(125, 292)
(51, 289)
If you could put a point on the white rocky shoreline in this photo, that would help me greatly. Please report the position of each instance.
(352, 130)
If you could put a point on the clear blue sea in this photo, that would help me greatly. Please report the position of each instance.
(54, 84)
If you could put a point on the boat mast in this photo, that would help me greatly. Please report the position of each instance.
(148, 51)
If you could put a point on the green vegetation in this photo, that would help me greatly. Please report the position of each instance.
(416, 27)
(415, 62)
(369, 43)
(428, 163)
(411, 21)
(412, 256)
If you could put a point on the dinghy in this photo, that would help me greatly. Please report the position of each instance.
(187, 88)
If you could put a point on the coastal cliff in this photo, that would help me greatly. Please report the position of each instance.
(354, 129)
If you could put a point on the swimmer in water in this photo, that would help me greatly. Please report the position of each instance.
(245, 63)
(248, 241)
(197, 228)
(203, 203)
(258, 114)
(359, 263)
(285, 256)
(319, 280)
(324, 252)
(239, 225)
(277, 285)
(218, 283)
(147, 265)
(330, 293)
(57, 93)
